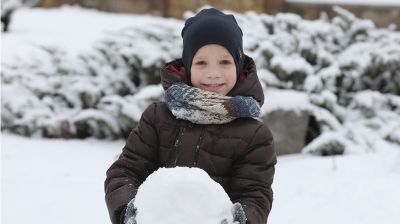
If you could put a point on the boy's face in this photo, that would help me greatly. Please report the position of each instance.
(213, 69)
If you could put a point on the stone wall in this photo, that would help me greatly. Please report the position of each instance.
(177, 7)
(382, 16)
(153, 7)
(168, 8)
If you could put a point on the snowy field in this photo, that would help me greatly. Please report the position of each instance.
(54, 181)
(51, 181)
(59, 181)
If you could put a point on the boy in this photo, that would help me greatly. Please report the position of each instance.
(212, 97)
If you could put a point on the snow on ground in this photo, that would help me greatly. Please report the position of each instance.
(51, 181)
(54, 181)
(351, 189)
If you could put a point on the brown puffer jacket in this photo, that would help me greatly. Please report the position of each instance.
(239, 155)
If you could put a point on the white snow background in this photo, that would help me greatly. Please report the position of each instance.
(51, 181)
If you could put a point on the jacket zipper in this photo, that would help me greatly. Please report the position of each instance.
(173, 158)
(197, 148)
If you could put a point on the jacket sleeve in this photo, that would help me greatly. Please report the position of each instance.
(138, 160)
(252, 177)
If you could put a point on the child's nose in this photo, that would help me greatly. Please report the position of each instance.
(213, 72)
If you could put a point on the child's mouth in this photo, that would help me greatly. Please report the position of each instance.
(212, 87)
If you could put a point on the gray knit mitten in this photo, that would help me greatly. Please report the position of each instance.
(130, 214)
(239, 217)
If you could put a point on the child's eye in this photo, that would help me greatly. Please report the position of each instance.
(200, 63)
(225, 62)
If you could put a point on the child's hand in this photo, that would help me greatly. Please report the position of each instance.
(239, 217)
(238, 214)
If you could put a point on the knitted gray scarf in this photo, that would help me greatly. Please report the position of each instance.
(205, 107)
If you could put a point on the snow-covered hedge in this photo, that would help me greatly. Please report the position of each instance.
(348, 68)
(99, 93)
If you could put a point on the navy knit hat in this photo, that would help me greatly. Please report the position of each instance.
(211, 26)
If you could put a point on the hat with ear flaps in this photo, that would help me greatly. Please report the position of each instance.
(211, 26)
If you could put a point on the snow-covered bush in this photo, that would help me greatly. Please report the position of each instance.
(327, 144)
(347, 66)
(345, 54)
(8, 7)
(94, 94)
(348, 70)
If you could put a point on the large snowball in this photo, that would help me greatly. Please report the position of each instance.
(181, 195)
